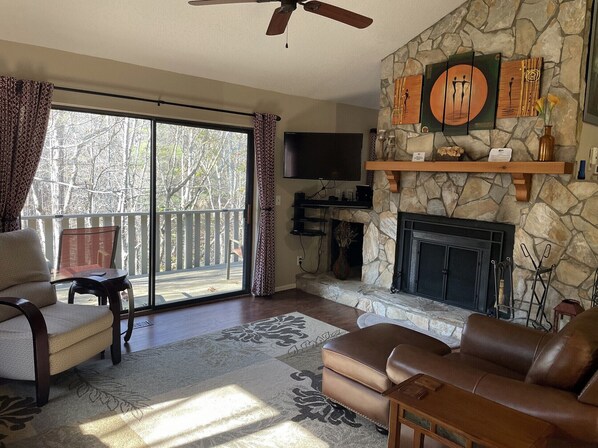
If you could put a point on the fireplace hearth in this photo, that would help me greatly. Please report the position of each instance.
(448, 260)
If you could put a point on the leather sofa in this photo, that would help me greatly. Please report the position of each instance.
(550, 376)
(354, 373)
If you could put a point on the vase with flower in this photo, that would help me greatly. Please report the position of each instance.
(544, 106)
(344, 236)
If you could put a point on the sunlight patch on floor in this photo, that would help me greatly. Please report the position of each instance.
(207, 415)
(287, 434)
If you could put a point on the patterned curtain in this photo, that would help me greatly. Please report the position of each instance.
(264, 126)
(24, 113)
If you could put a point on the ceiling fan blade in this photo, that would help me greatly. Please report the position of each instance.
(219, 2)
(338, 14)
(278, 22)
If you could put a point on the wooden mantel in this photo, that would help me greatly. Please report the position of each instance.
(521, 172)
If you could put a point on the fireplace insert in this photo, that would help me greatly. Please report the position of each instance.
(448, 259)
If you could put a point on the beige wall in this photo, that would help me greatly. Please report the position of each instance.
(298, 114)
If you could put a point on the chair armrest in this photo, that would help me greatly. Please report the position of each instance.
(504, 343)
(408, 360)
(574, 419)
(41, 349)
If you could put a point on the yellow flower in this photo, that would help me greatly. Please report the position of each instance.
(544, 107)
(552, 99)
(540, 106)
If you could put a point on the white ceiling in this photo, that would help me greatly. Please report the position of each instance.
(325, 60)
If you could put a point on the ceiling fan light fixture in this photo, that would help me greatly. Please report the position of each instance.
(312, 6)
(288, 6)
(280, 17)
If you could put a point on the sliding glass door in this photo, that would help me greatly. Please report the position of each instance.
(178, 192)
(201, 203)
(95, 172)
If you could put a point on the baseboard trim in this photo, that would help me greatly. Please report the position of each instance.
(285, 287)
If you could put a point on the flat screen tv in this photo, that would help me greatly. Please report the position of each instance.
(329, 156)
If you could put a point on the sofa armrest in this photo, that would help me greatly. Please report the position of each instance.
(41, 348)
(408, 360)
(573, 419)
(504, 343)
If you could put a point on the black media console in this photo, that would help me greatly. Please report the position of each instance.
(313, 225)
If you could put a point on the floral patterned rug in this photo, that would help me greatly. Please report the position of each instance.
(256, 385)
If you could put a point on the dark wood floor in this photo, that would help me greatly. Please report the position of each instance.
(185, 323)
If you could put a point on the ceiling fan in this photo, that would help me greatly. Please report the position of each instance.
(281, 16)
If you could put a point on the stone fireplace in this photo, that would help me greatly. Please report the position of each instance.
(561, 211)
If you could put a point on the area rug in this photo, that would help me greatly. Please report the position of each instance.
(256, 385)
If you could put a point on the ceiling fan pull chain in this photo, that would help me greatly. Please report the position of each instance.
(287, 42)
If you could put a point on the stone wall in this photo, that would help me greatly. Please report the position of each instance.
(562, 211)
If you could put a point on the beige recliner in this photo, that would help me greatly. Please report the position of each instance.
(40, 336)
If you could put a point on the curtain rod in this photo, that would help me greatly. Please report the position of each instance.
(158, 102)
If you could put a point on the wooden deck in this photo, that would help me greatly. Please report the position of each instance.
(176, 286)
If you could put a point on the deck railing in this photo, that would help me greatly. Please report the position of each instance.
(186, 239)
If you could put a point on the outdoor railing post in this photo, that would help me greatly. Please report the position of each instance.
(188, 218)
(179, 241)
(167, 242)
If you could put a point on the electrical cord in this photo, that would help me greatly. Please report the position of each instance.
(325, 186)
(319, 247)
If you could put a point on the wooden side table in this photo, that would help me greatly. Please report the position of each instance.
(457, 418)
(113, 281)
(567, 307)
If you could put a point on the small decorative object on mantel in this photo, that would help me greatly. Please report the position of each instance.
(544, 107)
(419, 156)
(500, 155)
(385, 143)
(449, 153)
(344, 236)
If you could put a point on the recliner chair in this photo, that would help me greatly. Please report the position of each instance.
(40, 336)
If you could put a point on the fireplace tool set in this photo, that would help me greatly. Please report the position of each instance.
(534, 309)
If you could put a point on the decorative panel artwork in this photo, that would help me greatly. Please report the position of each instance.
(461, 94)
(407, 105)
(519, 88)
(460, 105)
(489, 67)
(433, 122)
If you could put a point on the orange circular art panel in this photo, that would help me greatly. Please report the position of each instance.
(466, 93)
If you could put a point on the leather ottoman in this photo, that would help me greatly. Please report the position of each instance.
(354, 372)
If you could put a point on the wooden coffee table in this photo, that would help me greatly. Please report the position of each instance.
(458, 418)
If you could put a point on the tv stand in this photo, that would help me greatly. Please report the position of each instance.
(301, 221)
(318, 203)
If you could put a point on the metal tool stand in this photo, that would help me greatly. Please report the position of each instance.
(504, 305)
(532, 311)
(542, 278)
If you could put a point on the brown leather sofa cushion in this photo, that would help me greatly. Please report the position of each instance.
(513, 347)
(361, 355)
(568, 360)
